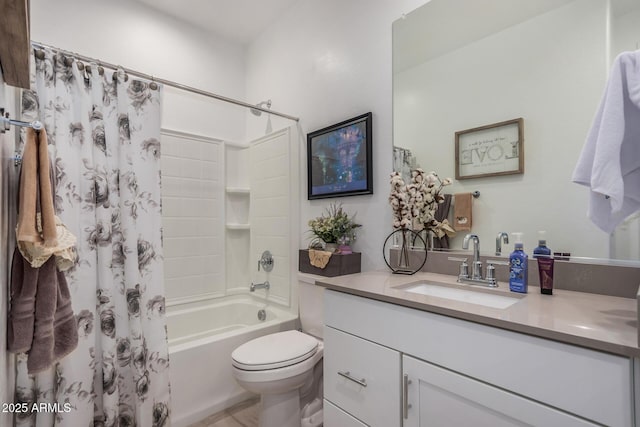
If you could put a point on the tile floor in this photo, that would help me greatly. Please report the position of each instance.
(244, 414)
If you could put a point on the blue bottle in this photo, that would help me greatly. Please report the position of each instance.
(518, 267)
(542, 248)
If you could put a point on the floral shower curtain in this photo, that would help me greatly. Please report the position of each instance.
(104, 129)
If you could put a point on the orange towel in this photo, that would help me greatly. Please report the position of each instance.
(35, 185)
(462, 211)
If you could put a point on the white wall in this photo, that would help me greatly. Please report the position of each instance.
(142, 39)
(327, 61)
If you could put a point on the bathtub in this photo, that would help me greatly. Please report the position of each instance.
(201, 340)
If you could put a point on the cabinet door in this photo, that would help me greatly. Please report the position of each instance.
(336, 417)
(438, 397)
(362, 378)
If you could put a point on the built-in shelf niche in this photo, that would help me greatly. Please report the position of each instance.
(237, 204)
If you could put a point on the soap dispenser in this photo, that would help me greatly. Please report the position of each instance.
(518, 266)
(542, 249)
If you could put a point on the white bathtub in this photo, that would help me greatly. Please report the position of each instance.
(201, 340)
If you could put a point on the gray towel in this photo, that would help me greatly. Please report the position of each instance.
(442, 213)
(41, 321)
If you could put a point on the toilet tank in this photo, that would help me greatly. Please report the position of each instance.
(311, 305)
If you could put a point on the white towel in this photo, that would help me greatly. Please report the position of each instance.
(610, 160)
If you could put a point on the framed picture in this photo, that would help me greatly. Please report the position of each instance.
(491, 150)
(339, 159)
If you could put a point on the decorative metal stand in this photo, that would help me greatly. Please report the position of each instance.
(405, 251)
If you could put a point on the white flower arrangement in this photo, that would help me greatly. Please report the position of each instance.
(399, 200)
(415, 204)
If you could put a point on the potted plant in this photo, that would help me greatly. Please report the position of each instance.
(334, 227)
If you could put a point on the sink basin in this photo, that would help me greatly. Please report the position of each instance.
(479, 296)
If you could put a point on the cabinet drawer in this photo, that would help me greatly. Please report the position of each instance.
(362, 378)
(336, 417)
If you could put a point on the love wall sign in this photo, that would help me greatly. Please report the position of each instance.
(491, 150)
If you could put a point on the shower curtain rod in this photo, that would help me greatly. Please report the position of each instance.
(165, 82)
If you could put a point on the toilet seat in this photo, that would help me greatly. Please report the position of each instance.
(274, 351)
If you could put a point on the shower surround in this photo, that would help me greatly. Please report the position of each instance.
(223, 205)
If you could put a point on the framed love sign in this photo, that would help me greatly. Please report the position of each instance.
(491, 150)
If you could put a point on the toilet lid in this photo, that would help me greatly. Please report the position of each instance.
(274, 351)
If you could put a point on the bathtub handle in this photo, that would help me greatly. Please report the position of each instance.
(347, 375)
(266, 261)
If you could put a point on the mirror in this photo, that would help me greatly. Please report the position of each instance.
(463, 64)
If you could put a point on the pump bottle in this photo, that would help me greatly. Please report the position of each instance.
(542, 249)
(518, 266)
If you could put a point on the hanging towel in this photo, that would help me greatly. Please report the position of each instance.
(610, 160)
(36, 253)
(462, 211)
(35, 180)
(442, 212)
(41, 320)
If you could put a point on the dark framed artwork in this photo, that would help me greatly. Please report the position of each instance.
(339, 159)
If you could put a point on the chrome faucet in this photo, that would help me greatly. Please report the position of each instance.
(499, 238)
(255, 286)
(476, 267)
(476, 271)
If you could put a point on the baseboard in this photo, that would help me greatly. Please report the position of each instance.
(199, 415)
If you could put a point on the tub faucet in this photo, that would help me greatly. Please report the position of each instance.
(255, 286)
(476, 267)
(499, 238)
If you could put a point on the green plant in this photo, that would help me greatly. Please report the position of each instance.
(334, 225)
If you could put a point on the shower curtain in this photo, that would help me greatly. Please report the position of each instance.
(104, 129)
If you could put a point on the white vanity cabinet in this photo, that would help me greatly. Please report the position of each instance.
(438, 397)
(463, 373)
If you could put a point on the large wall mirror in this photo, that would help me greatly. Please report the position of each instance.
(462, 64)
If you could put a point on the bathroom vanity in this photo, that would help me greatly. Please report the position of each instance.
(399, 358)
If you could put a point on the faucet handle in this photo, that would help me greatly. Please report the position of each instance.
(491, 271)
(464, 267)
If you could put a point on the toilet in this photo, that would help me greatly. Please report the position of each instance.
(285, 368)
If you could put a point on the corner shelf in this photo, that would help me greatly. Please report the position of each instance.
(237, 190)
(236, 226)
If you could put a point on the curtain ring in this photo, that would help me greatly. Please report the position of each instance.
(80, 65)
(100, 70)
(39, 54)
(68, 61)
(153, 85)
(115, 75)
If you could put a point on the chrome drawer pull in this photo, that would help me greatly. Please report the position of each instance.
(405, 396)
(348, 376)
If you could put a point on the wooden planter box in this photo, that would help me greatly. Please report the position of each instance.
(338, 265)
